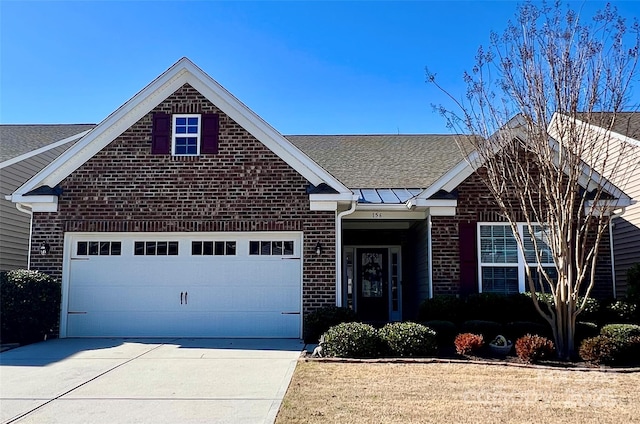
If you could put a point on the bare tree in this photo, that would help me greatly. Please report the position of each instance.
(555, 72)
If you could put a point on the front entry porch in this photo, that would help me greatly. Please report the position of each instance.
(385, 273)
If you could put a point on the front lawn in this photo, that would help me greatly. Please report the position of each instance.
(322, 392)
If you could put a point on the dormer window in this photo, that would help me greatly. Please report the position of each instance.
(186, 135)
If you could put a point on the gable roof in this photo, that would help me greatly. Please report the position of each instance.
(21, 141)
(382, 161)
(626, 124)
(182, 72)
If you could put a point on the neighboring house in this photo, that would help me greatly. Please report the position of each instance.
(622, 132)
(185, 214)
(24, 151)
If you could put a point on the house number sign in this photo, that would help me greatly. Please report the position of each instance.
(376, 215)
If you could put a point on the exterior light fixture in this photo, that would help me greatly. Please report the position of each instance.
(44, 248)
(318, 249)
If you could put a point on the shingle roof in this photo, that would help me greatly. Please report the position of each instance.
(382, 161)
(16, 140)
(626, 123)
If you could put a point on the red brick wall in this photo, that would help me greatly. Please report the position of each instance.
(245, 187)
(475, 204)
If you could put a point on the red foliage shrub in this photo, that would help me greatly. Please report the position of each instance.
(467, 343)
(531, 348)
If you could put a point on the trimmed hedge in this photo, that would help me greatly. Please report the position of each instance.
(408, 339)
(488, 329)
(446, 332)
(320, 320)
(353, 340)
(516, 329)
(29, 306)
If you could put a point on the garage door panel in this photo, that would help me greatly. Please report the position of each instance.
(198, 324)
(129, 295)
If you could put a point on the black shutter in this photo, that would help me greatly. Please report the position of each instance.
(161, 134)
(209, 139)
(468, 258)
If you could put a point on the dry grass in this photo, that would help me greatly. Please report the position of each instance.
(456, 393)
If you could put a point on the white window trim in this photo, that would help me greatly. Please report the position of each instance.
(521, 264)
(174, 135)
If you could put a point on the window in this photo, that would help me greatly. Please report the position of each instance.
(271, 248)
(155, 248)
(502, 265)
(98, 248)
(211, 248)
(186, 135)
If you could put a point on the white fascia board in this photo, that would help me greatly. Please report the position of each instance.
(323, 205)
(385, 214)
(336, 197)
(39, 203)
(606, 207)
(182, 72)
(442, 211)
(427, 203)
(43, 149)
(381, 207)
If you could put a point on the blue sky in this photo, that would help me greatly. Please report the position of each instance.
(306, 67)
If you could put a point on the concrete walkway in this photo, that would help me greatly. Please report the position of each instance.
(146, 380)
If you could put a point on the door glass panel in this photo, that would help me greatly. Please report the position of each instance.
(394, 282)
(371, 274)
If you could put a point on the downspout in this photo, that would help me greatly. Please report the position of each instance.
(29, 212)
(611, 249)
(339, 249)
(429, 257)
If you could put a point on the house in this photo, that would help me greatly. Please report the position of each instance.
(621, 132)
(185, 214)
(24, 151)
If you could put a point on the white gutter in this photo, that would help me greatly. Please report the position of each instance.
(339, 216)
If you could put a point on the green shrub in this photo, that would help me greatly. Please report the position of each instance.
(500, 308)
(406, 339)
(446, 332)
(467, 343)
(353, 340)
(620, 332)
(29, 306)
(515, 330)
(611, 350)
(620, 311)
(585, 330)
(488, 329)
(441, 308)
(633, 284)
(320, 320)
(531, 348)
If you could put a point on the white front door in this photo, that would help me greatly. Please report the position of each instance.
(182, 285)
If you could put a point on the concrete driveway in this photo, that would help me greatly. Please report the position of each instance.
(146, 380)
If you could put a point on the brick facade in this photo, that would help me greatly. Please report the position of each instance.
(245, 187)
(475, 204)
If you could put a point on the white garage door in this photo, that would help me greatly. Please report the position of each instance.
(182, 285)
